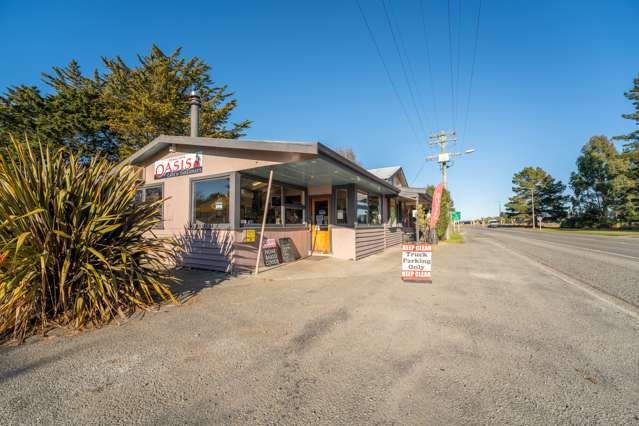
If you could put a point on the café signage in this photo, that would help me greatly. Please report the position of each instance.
(185, 164)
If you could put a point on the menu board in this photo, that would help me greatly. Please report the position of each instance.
(417, 262)
(270, 254)
(289, 252)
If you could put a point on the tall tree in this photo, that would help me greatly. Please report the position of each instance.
(77, 116)
(152, 98)
(602, 184)
(117, 112)
(533, 186)
(22, 111)
(631, 153)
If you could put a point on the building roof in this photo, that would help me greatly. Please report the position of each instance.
(312, 148)
(385, 172)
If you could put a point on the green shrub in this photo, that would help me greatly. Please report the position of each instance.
(75, 247)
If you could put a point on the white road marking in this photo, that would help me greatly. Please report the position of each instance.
(607, 299)
(609, 253)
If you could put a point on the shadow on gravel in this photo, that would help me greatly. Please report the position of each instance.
(193, 281)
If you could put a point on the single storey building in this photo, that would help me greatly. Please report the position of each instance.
(216, 190)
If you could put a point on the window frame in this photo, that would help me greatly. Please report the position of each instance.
(192, 182)
(357, 193)
(346, 207)
(283, 205)
(143, 188)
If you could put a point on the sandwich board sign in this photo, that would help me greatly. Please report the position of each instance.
(417, 262)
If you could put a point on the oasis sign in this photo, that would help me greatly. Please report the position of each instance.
(186, 164)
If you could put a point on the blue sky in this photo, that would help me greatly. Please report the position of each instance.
(548, 74)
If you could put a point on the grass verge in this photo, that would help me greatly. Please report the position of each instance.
(602, 232)
(456, 237)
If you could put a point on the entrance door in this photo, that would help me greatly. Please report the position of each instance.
(320, 233)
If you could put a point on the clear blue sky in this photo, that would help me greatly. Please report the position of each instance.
(549, 74)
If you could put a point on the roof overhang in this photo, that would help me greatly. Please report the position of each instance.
(162, 142)
(323, 155)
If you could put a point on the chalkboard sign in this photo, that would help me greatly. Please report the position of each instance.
(289, 252)
(270, 253)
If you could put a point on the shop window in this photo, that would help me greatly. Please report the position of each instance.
(392, 211)
(374, 210)
(294, 201)
(362, 208)
(341, 206)
(151, 194)
(252, 198)
(210, 202)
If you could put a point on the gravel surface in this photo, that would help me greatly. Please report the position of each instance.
(490, 341)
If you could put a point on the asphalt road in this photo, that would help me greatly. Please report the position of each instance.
(497, 338)
(607, 263)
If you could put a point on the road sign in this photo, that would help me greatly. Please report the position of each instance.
(417, 262)
(456, 216)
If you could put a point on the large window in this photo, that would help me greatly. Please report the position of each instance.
(285, 201)
(151, 194)
(374, 210)
(362, 208)
(211, 201)
(293, 206)
(341, 206)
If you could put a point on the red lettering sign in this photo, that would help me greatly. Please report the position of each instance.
(417, 262)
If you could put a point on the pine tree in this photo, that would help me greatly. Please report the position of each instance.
(535, 185)
(602, 184)
(152, 98)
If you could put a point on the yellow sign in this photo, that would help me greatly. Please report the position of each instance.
(249, 236)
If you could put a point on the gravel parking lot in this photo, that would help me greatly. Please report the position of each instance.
(325, 341)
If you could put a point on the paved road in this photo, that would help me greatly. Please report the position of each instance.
(609, 264)
(491, 341)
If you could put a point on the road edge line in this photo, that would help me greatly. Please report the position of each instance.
(602, 296)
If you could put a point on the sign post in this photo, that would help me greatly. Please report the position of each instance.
(417, 262)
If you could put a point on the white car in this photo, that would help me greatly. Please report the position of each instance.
(493, 223)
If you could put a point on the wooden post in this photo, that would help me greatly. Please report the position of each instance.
(268, 198)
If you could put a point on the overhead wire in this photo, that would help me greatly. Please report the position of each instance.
(472, 70)
(403, 66)
(428, 62)
(450, 62)
(411, 70)
(387, 70)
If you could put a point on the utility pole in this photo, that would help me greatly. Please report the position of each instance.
(444, 157)
(499, 207)
(532, 192)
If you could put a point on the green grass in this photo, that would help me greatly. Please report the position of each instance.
(602, 232)
(455, 238)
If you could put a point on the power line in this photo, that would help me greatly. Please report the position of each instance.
(459, 38)
(401, 61)
(388, 74)
(472, 70)
(428, 61)
(450, 61)
(411, 70)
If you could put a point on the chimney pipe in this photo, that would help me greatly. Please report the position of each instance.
(195, 114)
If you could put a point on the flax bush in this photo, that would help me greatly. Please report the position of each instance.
(75, 247)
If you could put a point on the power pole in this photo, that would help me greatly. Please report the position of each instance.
(499, 206)
(444, 157)
(532, 192)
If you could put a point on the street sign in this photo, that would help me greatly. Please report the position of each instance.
(456, 215)
(417, 262)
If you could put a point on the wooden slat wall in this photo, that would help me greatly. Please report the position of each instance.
(245, 253)
(393, 236)
(368, 240)
(210, 249)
